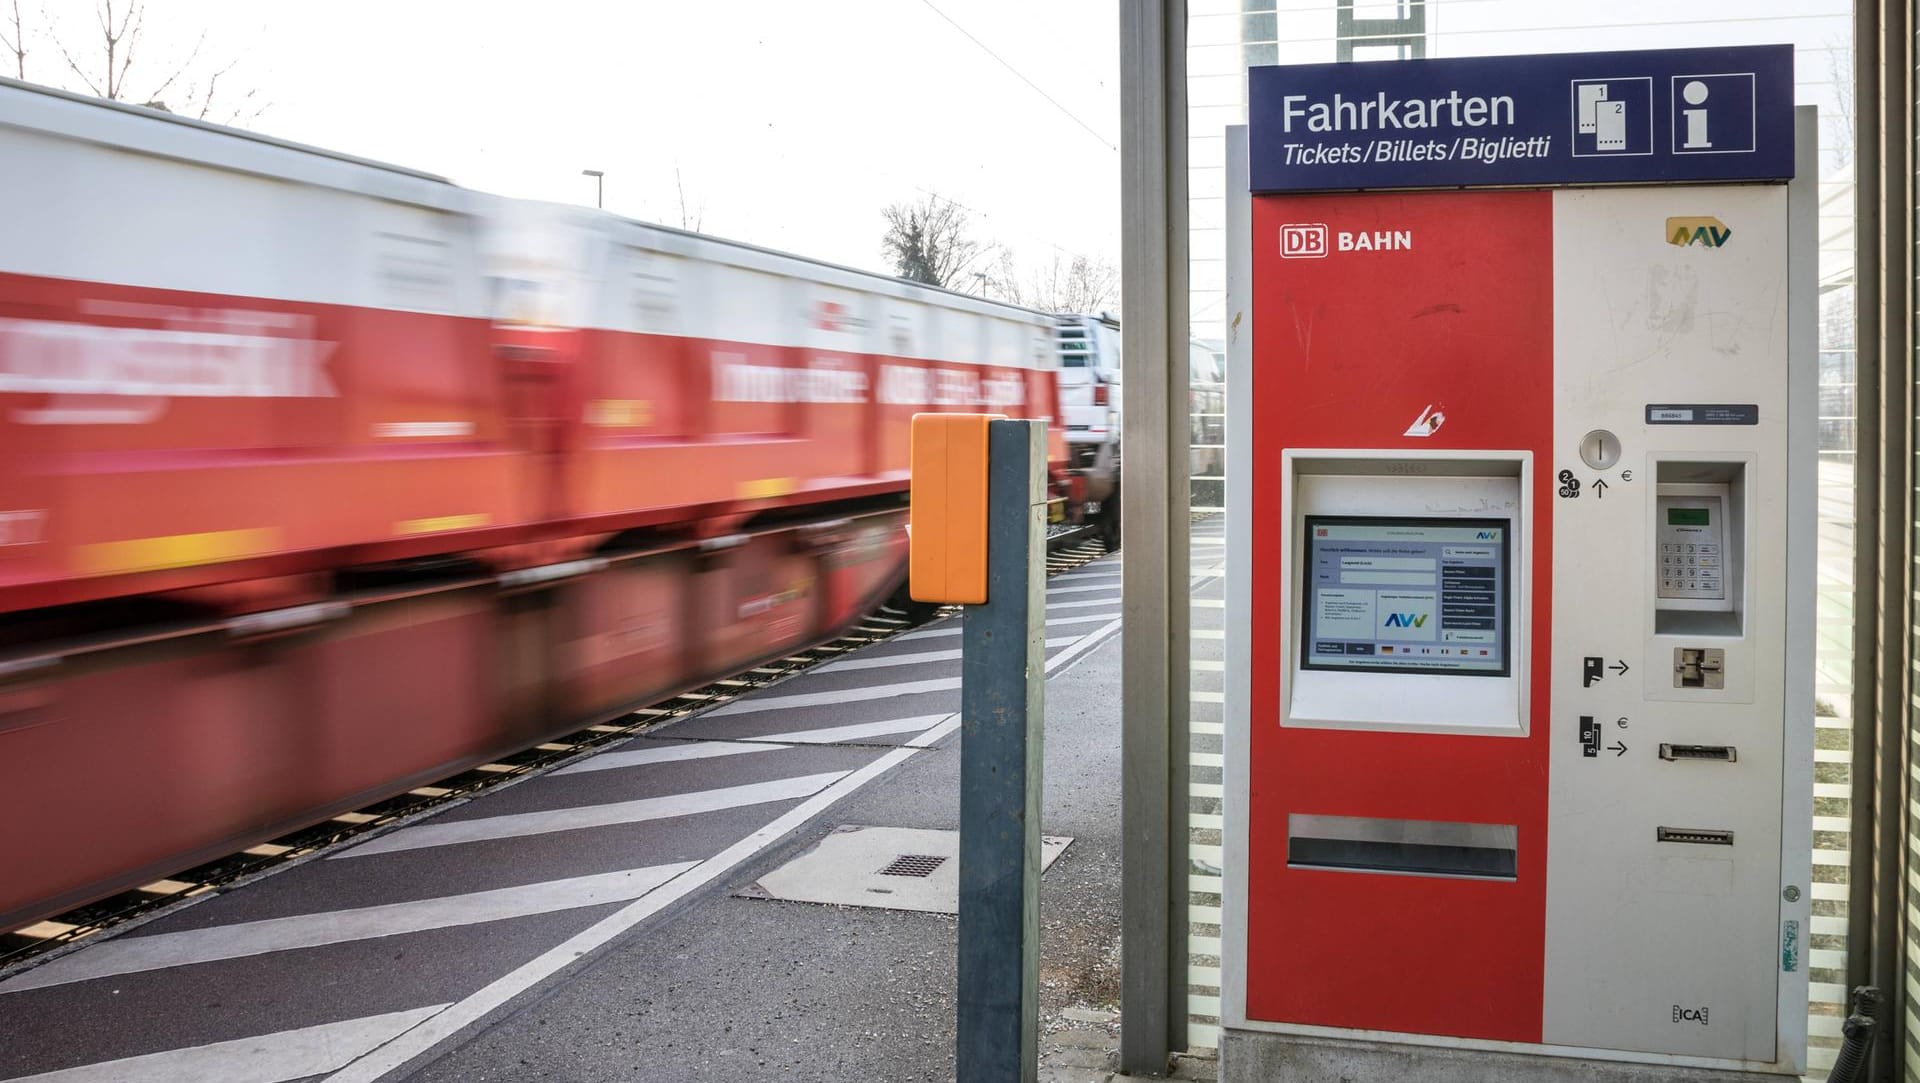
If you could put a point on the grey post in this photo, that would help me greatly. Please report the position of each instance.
(1154, 735)
(1002, 678)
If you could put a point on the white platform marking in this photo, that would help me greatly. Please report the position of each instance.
(1087, 589)
(422, 1038)
(133, 954)
(843, 695)
(1082, 605)
(264, 1058)
(890, 660)
(831, 734)
(379, 1062)
(640, 757)
(520, 824)
(953, 629)
(936, 734)
(919, 657)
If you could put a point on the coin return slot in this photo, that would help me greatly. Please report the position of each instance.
(1698, 836)
(1718, 753)
(1406, 847)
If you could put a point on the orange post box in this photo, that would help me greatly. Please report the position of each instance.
(947, 509)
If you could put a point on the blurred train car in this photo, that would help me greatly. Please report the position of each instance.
(1090, 392)
(321, 479)
(1089, 351)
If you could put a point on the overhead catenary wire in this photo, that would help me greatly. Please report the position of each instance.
(1018, 74)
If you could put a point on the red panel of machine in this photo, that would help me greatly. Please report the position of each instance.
(1386, 309)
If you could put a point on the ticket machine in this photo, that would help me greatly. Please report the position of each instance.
(1519, 726)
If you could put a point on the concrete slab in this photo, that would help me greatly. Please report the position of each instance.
(891, 868)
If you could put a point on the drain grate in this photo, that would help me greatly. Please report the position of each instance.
(919, 865)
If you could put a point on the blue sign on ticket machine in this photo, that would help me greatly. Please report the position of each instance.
(1519, 725)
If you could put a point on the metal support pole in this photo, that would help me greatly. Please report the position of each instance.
(1002, 684)
(1154, 424)
(1866, 491)
(1405, 33)
(1883, 533)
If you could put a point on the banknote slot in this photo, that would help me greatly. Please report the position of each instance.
(1697, 836)
(1714, 753)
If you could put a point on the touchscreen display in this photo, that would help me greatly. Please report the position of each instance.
(1406, 595)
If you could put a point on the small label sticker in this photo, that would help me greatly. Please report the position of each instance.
(1790, 946)
(1685, 1014)
(1703, 414)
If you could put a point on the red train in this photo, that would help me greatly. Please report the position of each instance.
(321, 479)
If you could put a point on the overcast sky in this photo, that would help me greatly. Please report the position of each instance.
(792, 122)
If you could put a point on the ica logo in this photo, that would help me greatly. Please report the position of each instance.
(1704, 231)
(1303, 241)
(1407, 620)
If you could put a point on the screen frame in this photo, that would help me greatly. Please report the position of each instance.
(1506, 527)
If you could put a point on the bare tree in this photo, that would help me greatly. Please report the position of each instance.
(1840, 70)
(1077, 284)
(106, 67)
(931, 240)
(690, 220)
(18, 45)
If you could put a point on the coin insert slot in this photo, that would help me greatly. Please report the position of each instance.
(1698, 836)
(1718, 753)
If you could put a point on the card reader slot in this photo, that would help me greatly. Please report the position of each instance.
(1714, 753)
(1698, 836)
(1406, 847)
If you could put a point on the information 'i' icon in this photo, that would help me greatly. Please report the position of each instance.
(1695, 93)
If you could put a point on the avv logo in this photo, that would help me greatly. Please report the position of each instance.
(1704, 231)
(1713, 114)
(1612, 117)
(1407, 620)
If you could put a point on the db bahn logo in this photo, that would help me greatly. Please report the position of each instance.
(830, 316)
(1303, 241)
(834, 316)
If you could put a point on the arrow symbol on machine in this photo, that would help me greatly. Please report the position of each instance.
(1619, 667)
(1600, 489)
(1618, 748)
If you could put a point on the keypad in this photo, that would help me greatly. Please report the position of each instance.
(1690, 570)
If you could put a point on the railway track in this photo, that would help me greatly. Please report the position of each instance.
(1067, 548)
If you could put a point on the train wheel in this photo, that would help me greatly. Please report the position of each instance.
(915, 612)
